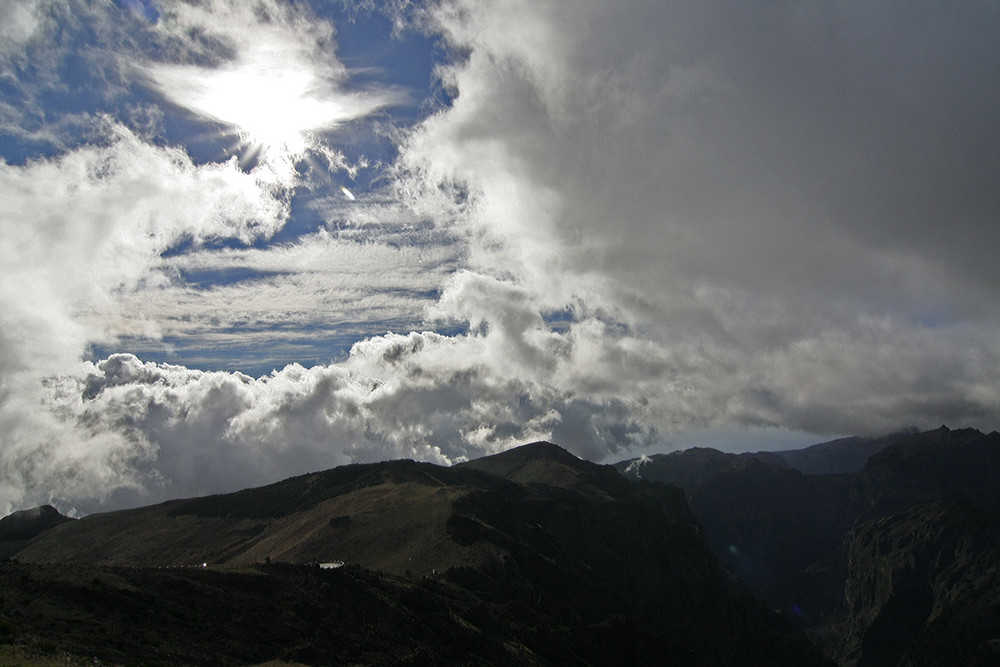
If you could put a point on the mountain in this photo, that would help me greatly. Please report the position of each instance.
(845, 455)
(773, 526)
(781, 531)
(386, 516)
(18, 528)
(690, 468)
(927, 466)
(531, 556)
(797, 539)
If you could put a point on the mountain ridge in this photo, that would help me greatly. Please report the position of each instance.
(566, 554)
(586, 556)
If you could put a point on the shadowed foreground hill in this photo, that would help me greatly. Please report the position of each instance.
(530, 556)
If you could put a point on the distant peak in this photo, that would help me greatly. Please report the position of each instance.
(25, 524)
(34, 513)
(545, 463)
(537, 450)
(544, 446)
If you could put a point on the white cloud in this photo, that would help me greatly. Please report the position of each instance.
(20, 21)
(736, 184)
(84, 227)
(79, 231)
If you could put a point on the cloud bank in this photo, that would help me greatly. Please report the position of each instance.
(628, 223)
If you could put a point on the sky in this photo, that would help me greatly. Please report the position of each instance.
(242, 240)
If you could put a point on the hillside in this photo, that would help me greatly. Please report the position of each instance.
(540, 556)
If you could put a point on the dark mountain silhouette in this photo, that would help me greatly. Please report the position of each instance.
(789, 534)
(781, 531)
(533, 556)
(18, 528)
(927, 466)
(845, 455)
(690, 468)
(529, 556)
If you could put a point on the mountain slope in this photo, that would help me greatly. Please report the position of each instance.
(195, 616)
(571, 558)
(388, 516)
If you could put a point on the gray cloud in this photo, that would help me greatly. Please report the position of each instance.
(749, 181)
(794, 150)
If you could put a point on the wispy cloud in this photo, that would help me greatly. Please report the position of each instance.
(323, 292)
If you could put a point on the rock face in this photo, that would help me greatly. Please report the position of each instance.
(810, 543)
(924, 588)
(781, 531)
(541, 556)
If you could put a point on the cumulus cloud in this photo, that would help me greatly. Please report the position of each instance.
(774, 149)
(421, 395)
(81, 228)
(79, 231)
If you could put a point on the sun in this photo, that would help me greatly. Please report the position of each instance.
(276, 103)
(274, 109)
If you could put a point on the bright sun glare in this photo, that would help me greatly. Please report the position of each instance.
(272, 107)
(274, 102)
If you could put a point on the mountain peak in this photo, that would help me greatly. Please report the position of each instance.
(548, 464)
(538, 450)
(24, 525)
